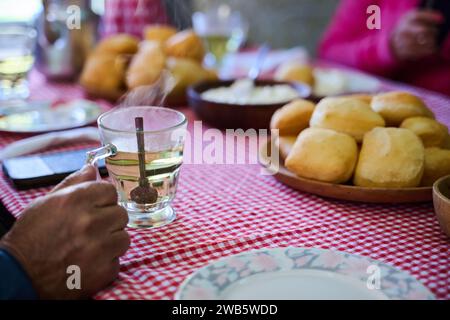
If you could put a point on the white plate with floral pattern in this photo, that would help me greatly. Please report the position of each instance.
(300, 273)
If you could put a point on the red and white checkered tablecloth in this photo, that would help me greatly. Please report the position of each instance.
(227, 209)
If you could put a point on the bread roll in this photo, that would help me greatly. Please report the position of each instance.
(285, 145)
(292, 117)
(431, 132)
(446, 144)
(295, 71)
(361, 96)
(185, 44)
(437, 164)
(159, 32)
(390, 158)
(104, 73)
(118, 44)
(346, 115)
(185, 72)
(396, 106)
(146, 66)
(324, 155)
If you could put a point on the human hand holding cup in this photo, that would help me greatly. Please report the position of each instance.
(163, 140)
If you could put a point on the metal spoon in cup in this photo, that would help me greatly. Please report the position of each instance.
(143, 193)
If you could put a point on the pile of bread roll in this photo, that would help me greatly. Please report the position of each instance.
(389, 140)
(122, 62)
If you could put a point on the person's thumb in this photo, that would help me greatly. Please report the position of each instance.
(87, 173)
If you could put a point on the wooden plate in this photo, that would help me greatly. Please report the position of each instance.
(341, 191)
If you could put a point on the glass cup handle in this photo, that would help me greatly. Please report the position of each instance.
(100, 153)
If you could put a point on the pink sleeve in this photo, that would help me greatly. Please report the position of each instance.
(350, 42)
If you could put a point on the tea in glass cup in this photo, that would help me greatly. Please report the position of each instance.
(143, 162)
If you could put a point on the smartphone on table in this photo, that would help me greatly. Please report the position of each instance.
(42, 170)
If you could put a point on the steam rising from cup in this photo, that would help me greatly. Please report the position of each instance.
(151, 95)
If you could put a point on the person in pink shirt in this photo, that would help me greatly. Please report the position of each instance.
(405, 47)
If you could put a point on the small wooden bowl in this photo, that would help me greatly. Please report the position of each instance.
(235, 116)
(441, 201)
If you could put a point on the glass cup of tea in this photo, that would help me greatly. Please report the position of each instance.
(143, 162)
(222, 31)
(17, 43)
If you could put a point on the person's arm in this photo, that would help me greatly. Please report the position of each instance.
(14, 282)
(78, 224)
(349, 41)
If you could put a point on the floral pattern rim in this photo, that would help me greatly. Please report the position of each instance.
(208, 282)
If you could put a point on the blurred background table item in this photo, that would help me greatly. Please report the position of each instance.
(17, 44)
(222, 31)
(68, 30)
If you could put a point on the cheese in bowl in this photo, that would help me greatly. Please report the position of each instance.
(245, 92)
